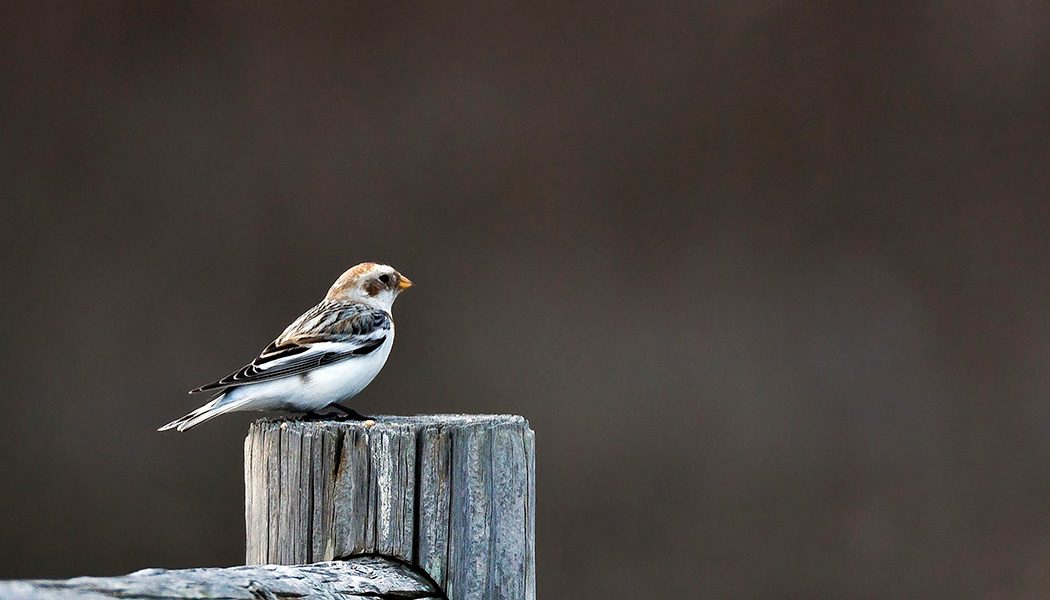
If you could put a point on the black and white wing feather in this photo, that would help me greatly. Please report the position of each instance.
(332, 331)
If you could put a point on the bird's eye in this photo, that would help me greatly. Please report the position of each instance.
(384, 278)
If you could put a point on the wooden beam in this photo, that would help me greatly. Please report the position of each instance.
(361, 578)
(451, 494)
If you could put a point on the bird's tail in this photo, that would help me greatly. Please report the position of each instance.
(218, 405)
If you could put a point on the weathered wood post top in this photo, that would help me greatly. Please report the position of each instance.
(451, 494)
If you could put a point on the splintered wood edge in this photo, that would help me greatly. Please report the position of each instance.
(446, 420)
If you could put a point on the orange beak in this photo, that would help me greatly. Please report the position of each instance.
(404, 284)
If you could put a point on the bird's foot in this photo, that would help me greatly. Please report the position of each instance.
(349, 414)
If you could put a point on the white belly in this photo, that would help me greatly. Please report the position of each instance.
(315, 389)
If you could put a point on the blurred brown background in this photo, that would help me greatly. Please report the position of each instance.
(769, 279)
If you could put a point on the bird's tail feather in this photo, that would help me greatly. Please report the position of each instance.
(219, 405)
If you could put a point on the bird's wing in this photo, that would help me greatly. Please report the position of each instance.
(327, 333)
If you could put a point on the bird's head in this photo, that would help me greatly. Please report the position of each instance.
(371, 283)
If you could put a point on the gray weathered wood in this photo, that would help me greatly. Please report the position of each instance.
(361, 578)
(452, 494)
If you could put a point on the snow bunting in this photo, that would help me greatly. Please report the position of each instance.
(328, 354)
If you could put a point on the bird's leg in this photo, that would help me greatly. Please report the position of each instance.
(311, 416)
(350, 414)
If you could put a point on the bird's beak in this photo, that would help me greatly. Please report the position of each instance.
(404, 284)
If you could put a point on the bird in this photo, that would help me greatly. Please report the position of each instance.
(327, 355)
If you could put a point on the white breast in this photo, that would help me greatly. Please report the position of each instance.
(318, 388)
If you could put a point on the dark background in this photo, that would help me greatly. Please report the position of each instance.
(769, 279)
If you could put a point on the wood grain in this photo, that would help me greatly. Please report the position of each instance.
(361, 578)
(452, 494)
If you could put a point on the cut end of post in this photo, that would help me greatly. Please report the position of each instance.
(451, 419)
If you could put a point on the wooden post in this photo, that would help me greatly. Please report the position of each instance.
(452, 494)
(370, 577)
